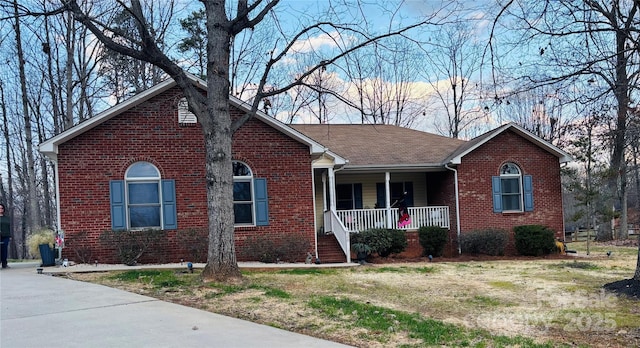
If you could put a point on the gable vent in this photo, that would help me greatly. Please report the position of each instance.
(184, 115)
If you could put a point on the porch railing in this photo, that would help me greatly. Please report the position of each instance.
(333, 224)
(356, 220)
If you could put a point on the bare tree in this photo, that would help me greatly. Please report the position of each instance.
(128, 76)
(6, 195)
(455, 58)
(320, 102)
(578, 41)
(31, 180)
(381, 83)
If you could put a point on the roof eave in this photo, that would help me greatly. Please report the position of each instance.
(563, 156)
(394, 167)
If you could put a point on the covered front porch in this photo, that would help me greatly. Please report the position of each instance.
(350, 202)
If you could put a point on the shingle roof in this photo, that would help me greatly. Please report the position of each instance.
(382, 145)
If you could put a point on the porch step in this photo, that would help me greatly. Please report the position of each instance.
(329, 250)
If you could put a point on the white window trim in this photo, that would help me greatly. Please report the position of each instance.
(157, 180)
(248, 179)
(520, 188)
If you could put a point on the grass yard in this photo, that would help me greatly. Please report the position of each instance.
(553, 302)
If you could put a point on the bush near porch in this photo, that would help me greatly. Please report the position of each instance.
(433, 240)
(490, 241)
(534, 240)
(383, 241)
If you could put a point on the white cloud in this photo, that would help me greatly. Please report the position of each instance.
(315, 43)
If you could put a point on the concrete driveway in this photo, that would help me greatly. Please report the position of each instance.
(40, 310)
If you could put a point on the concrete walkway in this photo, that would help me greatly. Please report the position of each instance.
(39, 310)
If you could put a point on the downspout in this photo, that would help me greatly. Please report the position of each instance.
(58, 222)
(315, 218)
(57, 188)
(455, 184)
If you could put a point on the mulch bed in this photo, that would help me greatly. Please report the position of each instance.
(628, 287)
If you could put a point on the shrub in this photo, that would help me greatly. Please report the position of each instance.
(81, 245)
(433, 239)
(130, 245)
(489, 242)
(382, 241)
(398, 242)
(259, 248)
(534, 240)
(293, 248)
(195, 242)
(263, 248)
(44, 236)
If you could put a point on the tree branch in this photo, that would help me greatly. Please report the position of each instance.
(149, 52)
(300, 79)
(242, 21)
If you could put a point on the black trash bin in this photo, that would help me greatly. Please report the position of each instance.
(47, 254)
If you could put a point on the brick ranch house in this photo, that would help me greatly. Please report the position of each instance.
(140, 164)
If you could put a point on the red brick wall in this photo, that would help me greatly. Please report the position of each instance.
(441, 191)
(150, 132)
(479, 166)
(476, 205)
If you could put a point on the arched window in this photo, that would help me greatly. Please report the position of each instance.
(243, 207)
(511, 187)
(250, 198)
(143, 199)
(512, 191)
(143, 195)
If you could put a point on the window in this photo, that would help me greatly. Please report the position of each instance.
(250, 203)
(242, 194)
(143, 199)
(397, 189)
(348, 196)
(512, 190)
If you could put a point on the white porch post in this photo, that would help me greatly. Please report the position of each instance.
(387, 203)
(332, 189)
(324, 191)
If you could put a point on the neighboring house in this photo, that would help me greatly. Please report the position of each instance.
(140, 164)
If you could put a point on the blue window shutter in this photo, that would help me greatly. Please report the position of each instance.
(380, 194)
(169, 210)
(118, 205)
(357, 195)
(527, 182)
(262, 201)
(496, 189)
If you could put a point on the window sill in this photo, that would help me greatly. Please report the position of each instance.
(513, 212)
(244, 227)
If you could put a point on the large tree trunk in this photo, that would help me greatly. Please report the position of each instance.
(213, 114)
(70, 47)
(620, 91)
(623, 229)
(216, 125)
(7, 195)
(32, 200)
(636, 276)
